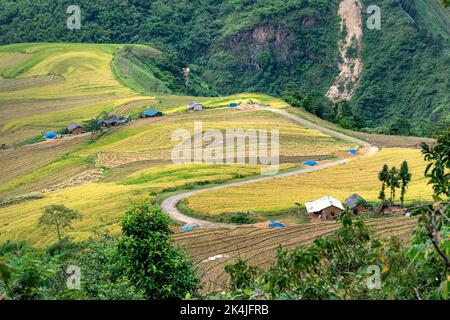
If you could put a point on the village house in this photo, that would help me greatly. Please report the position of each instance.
(357, 204)
(74, 128)
(151, 113)
(113, 121)
(326, 208)
(194, 106)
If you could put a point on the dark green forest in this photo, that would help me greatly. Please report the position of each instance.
(284, 48)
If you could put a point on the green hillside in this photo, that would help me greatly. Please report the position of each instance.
(275, 47)
(405, 73)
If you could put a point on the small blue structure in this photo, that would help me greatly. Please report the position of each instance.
(275, 224)
(187, 227)
(233, 105)
(151, 113)
(50, 135)
(310, 163)
(352, 151)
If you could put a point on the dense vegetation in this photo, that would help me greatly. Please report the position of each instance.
(284, 48)
(405, 88)
(143, 263)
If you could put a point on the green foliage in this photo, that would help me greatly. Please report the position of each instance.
(242, 218)
(383, 176)
(147, 72)
(154, 264)
(394, 179)
(406, 67)
(241, 274)
(59, 217)
(393, 182)
(439, 163)
(405, 178)
(104, 275)
(35, 139)
(337, 267)
(25, 272)
(92, 125)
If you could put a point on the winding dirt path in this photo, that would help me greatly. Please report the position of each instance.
(169, 205)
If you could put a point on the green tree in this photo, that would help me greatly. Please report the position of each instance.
(405, 179)
(393, 183)
(153, 262)
(435, 219)
(241, 274)
(60, 217)
(383, 176)
(92, 125)
(438, 169)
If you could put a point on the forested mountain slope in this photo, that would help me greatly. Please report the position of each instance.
(274, 46)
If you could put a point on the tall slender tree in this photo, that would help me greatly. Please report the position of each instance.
(405, 178)
(383, 176)
(393, 183)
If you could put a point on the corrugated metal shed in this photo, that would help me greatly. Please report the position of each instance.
(323, 203)
(354, 201)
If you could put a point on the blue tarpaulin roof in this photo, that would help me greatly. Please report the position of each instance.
(310, 163)
(190, 228)
(233, 104)
(151, 113)
(50, 135)
(352, 151)
(275, 224)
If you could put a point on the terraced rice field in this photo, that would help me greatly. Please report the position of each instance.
(45, 86)
(151, 139)
(103, 203)
(258, 245)
(19, 166)
(359, 176)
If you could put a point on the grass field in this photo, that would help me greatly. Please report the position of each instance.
(258, 245)
(359, 176)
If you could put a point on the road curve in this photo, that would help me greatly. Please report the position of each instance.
(169, 205)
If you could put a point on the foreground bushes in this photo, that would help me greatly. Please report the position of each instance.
(144, 263)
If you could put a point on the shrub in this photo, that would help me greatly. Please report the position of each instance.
(242, 218)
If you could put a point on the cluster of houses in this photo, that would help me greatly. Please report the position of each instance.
(111, 121)
(195, 106)
(328, 208)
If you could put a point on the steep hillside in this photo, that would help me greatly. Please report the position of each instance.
(405, 87)
(398, 78)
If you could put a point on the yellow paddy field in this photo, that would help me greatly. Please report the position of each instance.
(359, 176)
(152, 139)
(102, 204)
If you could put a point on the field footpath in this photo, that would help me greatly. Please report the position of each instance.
(169, 205)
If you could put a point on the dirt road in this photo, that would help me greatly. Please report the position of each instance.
(169, 205)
